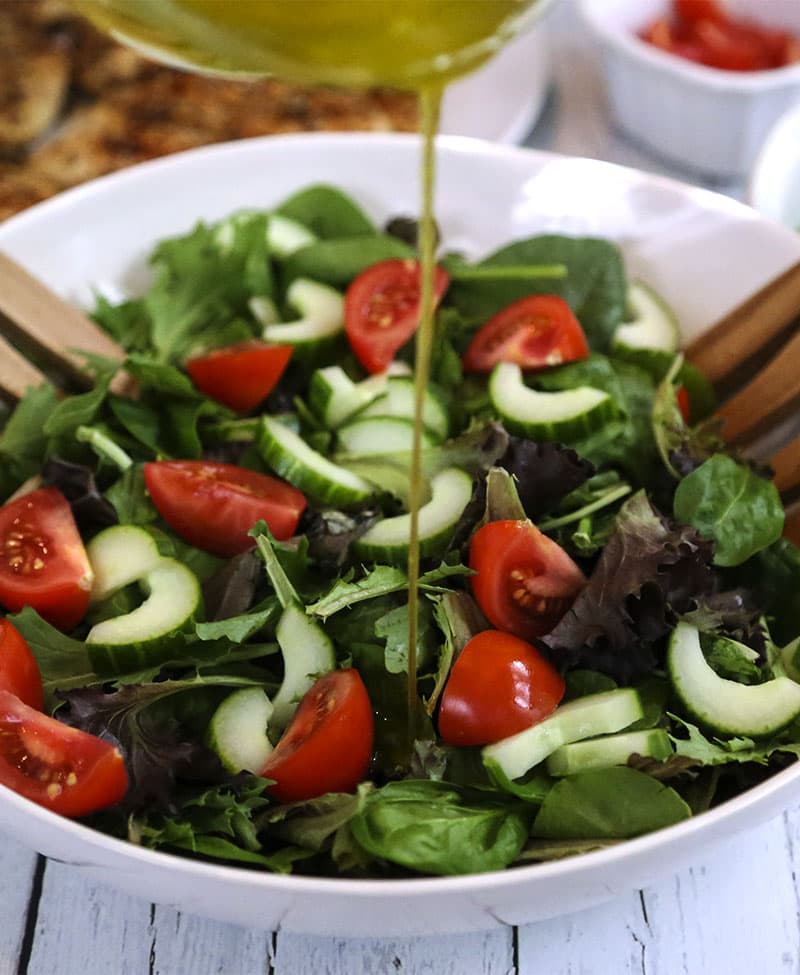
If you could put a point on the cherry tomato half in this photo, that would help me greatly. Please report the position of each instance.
(66, 770)
(328, 745)
(19, 672)
(43, 563)
(499, 685)
(240, 376)
(382, 309)
(214, 506)
(534, 332)
(682, 396)
(524, 581)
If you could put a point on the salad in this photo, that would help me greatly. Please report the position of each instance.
(205, 646)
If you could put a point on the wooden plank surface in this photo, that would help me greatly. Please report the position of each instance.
(737, 913)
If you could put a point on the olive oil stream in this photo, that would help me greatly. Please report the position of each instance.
(413, 44)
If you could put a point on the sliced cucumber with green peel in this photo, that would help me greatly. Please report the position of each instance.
(652, 337)
(285, 236)
(238, 730)
(388, 540)
(322, 316)
(399, 401)
(335, 398)
(585, 717)
(565, 415)
(119, 556)
(291, 458)
(145, 636)
(725, 706)
(307, 653)
(609, 750)
(366, 435)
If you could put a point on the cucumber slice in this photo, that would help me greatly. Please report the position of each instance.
(264, 310)
(585, 717)
(335, 398)
(322, 316)
(399, 401)
(367, 435)
(609, 750)
(725, 706)
(387, 541)
(565, 415)
(652, 337)
(285, 236)
(120, 556)
(145, 636)
(653, 324)
(307, 653)
(291, 458)
(238, 730)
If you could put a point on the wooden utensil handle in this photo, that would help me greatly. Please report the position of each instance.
(738, 337)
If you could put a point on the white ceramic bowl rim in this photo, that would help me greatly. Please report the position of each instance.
(778, 788)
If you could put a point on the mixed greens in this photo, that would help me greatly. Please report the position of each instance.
(690, 592)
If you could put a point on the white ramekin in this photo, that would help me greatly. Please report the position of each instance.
(705, 119)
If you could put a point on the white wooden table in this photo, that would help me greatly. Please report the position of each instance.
(735, 913)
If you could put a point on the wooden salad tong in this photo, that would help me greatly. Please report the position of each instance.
(752, 356)
(35, 323)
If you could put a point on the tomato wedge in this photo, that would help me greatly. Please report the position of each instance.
(214, 506)
(524, 581)
(240, 376)
(66, 770)
(704, 31)
(682, 397)
(499, 685)
(328, 745)
(382, 309)
(43, 563)
(19, 672)
(534, 332)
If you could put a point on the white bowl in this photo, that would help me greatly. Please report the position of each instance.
(703, 251)
(774, 186)
(705, 119)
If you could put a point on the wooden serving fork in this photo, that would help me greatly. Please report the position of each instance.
(752, 356)
(36, 322)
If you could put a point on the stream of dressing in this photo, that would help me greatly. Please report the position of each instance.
(430, 103)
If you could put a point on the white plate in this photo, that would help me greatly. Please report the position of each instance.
(703, 251)
(503, 100)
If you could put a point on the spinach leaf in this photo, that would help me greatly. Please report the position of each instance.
(773, 576)
(595, 285)
(23, 441)
(730, 504)
(613, 803)
(438, 828)
(327, 212)
(63, 662)
(336, 262)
